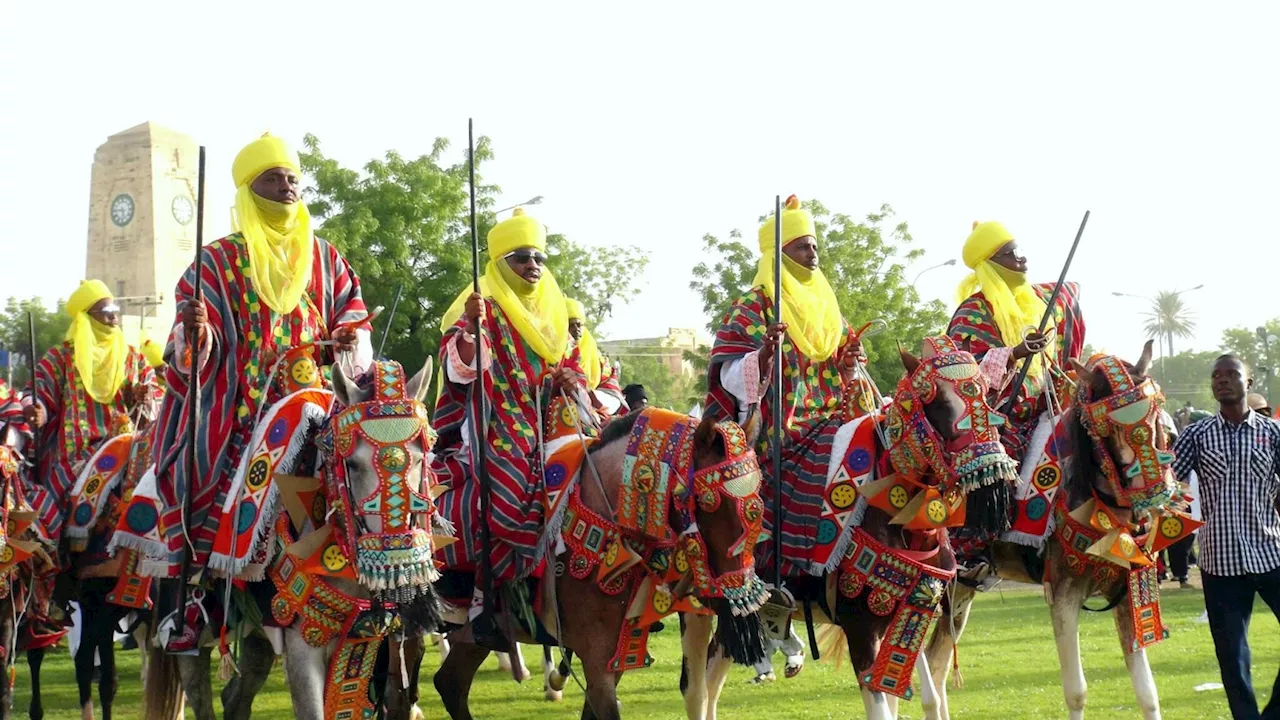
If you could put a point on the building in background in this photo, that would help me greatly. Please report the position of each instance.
(142, 223)
(669, 349)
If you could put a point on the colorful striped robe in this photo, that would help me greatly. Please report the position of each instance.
(245, 338)
(811, 415)
(512, 456)
(10, 407)
(75, 426)
(973, 322)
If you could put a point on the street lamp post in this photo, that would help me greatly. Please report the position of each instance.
(948, 263)
(1267, 341)
(535, 200)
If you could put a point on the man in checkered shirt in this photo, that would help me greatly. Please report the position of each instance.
(1236, 455)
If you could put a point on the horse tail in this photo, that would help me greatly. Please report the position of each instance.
(162, 696)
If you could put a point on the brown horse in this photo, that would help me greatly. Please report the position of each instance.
(938, 435)
(1073, 576)
(725, 509)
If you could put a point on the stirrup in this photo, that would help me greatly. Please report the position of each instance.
(776, 613)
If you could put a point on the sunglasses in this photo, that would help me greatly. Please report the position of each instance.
(524, 257)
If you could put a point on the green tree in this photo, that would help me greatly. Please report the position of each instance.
(1258, 351)
(404, 225)
(666, 388)
(864, 261)
(51, 328)
(1184, 378)
(1168, 318)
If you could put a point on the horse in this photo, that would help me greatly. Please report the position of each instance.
(924, 462)
(710, 518)
(1109, 455)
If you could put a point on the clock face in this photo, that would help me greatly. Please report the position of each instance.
(122, 209)
(183, 209)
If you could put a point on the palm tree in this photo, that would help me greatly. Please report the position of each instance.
(1168, 318)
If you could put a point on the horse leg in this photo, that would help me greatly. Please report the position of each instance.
(256, 659)
(86, 648)
(941, 650)
(453, 679)
(405, 659)
(513, 663)
(548, 672)
(1144, 685)
(602, 690)
(877, 705)
(444, 648)
(7, 629)
(929, 703)
(1069, 594)
(35, 658)
(695, 637)
(195, 682)
(718, 666)
(306, 670)
(107, 655)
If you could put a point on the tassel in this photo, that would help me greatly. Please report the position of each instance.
(987, 508)
(742, 637)
(957, 677)
(226, 664)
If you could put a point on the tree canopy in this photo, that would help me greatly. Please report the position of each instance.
(51, 328)
(864, 260)
(403, 224)
(1169, 318)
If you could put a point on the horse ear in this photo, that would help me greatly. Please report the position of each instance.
(966, 345)
(705, 436)
(909, 361)
(1144, 362)
(753, 426)
(418, 384)
(1083, 374)
(345, 390)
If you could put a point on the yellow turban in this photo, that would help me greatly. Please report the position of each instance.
(538, 312)
(1015, 305)
(588, 350)
(98, 351)
(277, 235)
(809, 306)
(153, 352)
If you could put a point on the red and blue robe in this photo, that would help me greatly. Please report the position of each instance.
(244, 340)
(811, 415)
(514, 377)
(75, 426)
(974, 322)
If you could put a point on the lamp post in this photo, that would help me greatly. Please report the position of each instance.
(1267, 341)
(948, 263)
(535, 200)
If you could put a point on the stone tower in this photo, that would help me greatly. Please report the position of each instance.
(142, 223)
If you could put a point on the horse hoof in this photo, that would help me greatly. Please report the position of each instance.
(554, 696)
(556, 681)
(416, 713)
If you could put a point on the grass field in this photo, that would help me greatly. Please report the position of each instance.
(1007, 657)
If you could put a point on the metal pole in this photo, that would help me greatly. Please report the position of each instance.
(193, 400)
(35, 432)
(391, 318)
(778, 395)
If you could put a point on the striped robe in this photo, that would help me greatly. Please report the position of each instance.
(75, 426)
(245, 338)
(608, 384)
(974, 322)
(810, 418)
(10, 407)
(512, 455)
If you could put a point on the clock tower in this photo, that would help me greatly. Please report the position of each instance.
(142, 223)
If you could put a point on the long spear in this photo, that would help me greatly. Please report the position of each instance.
(777, 394)
(390, 318)
(1044, 321)
(477, 408)
(35, 432)
(193, 400)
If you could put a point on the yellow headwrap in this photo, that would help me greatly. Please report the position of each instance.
(1014, 302)
(98, 351)
(278, 236)
(589, 352)
(537, 312)
(809, 306)
(153, 352)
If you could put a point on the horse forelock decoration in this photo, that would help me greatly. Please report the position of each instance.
(383, 512)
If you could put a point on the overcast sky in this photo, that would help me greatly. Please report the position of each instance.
(653, 126)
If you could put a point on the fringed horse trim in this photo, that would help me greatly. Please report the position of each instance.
(98, 478)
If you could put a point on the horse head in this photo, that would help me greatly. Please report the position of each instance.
(377, 481)
(943, 432)
(1120, 442)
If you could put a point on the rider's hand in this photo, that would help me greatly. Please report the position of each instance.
(1035, 343)
(345, 338)
(138, 394)
(194, 318)
(563, 377)
(852, 355)
(772, 337)
(475, 308)
(35, 414)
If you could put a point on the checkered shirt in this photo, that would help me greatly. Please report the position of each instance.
(1237, 467)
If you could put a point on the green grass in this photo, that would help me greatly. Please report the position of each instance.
(1007, 657)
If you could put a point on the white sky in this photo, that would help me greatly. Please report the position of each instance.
(654, 126)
